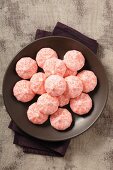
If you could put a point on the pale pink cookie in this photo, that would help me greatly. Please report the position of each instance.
(55, 85)
(35, 116)
(37, 83)
(44, 54)
(61, 119)
(26, 67)
(47, 104)
(69, 72)
(74, 60)
(81, 104)
(64, 98)
(22, 91)
(74, 86)
(88, 79)
(54, 66)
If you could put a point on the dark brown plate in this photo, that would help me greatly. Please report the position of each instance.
(17, 110)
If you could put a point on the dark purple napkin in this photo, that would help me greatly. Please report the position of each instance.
(36, 146)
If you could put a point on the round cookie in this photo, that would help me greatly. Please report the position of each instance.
(35, 116)
(88, 79)
(44, 54)
(47, 104)
(54, 66)
(26, 67)
(74, 60)
(82, 104)
(61, 119)
(22, 91)
(55, 85)
(74, 86)
(37, 83)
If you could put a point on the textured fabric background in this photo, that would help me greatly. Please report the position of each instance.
(19, 19)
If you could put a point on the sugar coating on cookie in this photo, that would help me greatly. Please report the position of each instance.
(26, 67)
(35, 116)
(54, 66)
(74, 86)
(88, 79)
(64, 99)
(74, 60)
(61, 119)
(37, 83)
(82, 104)
(55, 85)
(44, 54)
(47, 104)
(22, 91)
(69, 72)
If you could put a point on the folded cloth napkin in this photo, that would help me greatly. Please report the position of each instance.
(36, 146)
